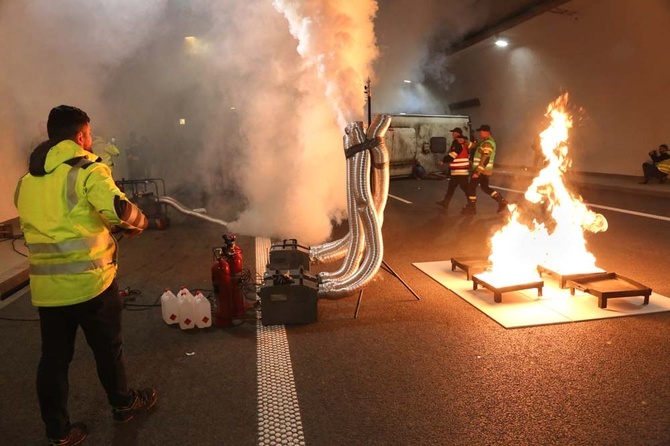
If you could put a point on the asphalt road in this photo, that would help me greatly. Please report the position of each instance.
(437, 371)
(434, 371)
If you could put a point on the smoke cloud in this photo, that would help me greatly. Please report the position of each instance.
(412, 37)
(53, 53)
(263, 91)
(257, 131)
(336, 38)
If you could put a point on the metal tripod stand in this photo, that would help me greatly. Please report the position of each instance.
(388, 269)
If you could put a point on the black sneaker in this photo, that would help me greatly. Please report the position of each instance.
(75, 435)
(143, 400)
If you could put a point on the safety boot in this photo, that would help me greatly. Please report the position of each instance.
(444, 203)
(469, 209)
(502, 205)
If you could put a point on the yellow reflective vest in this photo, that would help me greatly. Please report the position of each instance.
(66, 207)
(105, 150)
(485, 155)
(664, 166)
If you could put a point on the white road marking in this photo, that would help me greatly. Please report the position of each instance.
(626, 211)
(400, 199)
(599, 206)
(278, 409)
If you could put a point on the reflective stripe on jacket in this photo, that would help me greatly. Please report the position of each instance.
(460, 164)
(66, 215)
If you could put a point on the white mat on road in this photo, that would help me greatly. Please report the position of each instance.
(525, 309)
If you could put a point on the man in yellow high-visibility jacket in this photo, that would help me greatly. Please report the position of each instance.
(482, 169)
(67, 204)
(106, 150)
(659, 167)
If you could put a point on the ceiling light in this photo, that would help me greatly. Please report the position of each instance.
(407, 81)
(502, 43)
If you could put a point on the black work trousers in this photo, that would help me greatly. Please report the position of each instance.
(456, 181)
(483, 182)
(100, 320)
(651, 171)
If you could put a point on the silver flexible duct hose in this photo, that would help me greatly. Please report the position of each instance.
(380, 164)
(370, 214)
(199, 213)
(337, 249)
(374, 253)
(345, 284)
(356, 246)
(353, 250)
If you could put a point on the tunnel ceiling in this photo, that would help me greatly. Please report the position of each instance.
(502, 15)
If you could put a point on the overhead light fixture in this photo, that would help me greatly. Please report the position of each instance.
(501, 43)
(182, 121)
(407, 81)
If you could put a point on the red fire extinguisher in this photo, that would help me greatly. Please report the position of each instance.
(226, 281)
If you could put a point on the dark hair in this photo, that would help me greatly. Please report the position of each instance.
(665, 146)
(65, 122)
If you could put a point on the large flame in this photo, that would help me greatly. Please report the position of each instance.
(557, 242)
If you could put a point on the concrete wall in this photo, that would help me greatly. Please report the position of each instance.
(611, 58)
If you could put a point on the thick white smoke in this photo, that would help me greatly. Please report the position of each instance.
(257, 118)
(54, 53)
(265, 90)
(412, 37)
(286, 154)
(336, 39)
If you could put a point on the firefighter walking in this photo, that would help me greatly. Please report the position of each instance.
(458, 159)
(482, 169)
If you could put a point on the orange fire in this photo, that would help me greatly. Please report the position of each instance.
(557, 241)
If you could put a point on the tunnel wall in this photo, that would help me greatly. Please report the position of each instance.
(607, 54)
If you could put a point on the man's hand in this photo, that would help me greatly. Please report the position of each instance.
(475, 175)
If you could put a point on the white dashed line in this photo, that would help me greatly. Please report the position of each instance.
(400, 199)
(626, 211)
(599, 206)
(278, 409)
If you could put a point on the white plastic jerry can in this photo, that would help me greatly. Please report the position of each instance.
(203, 311)
(186, 309)
(170, 307)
